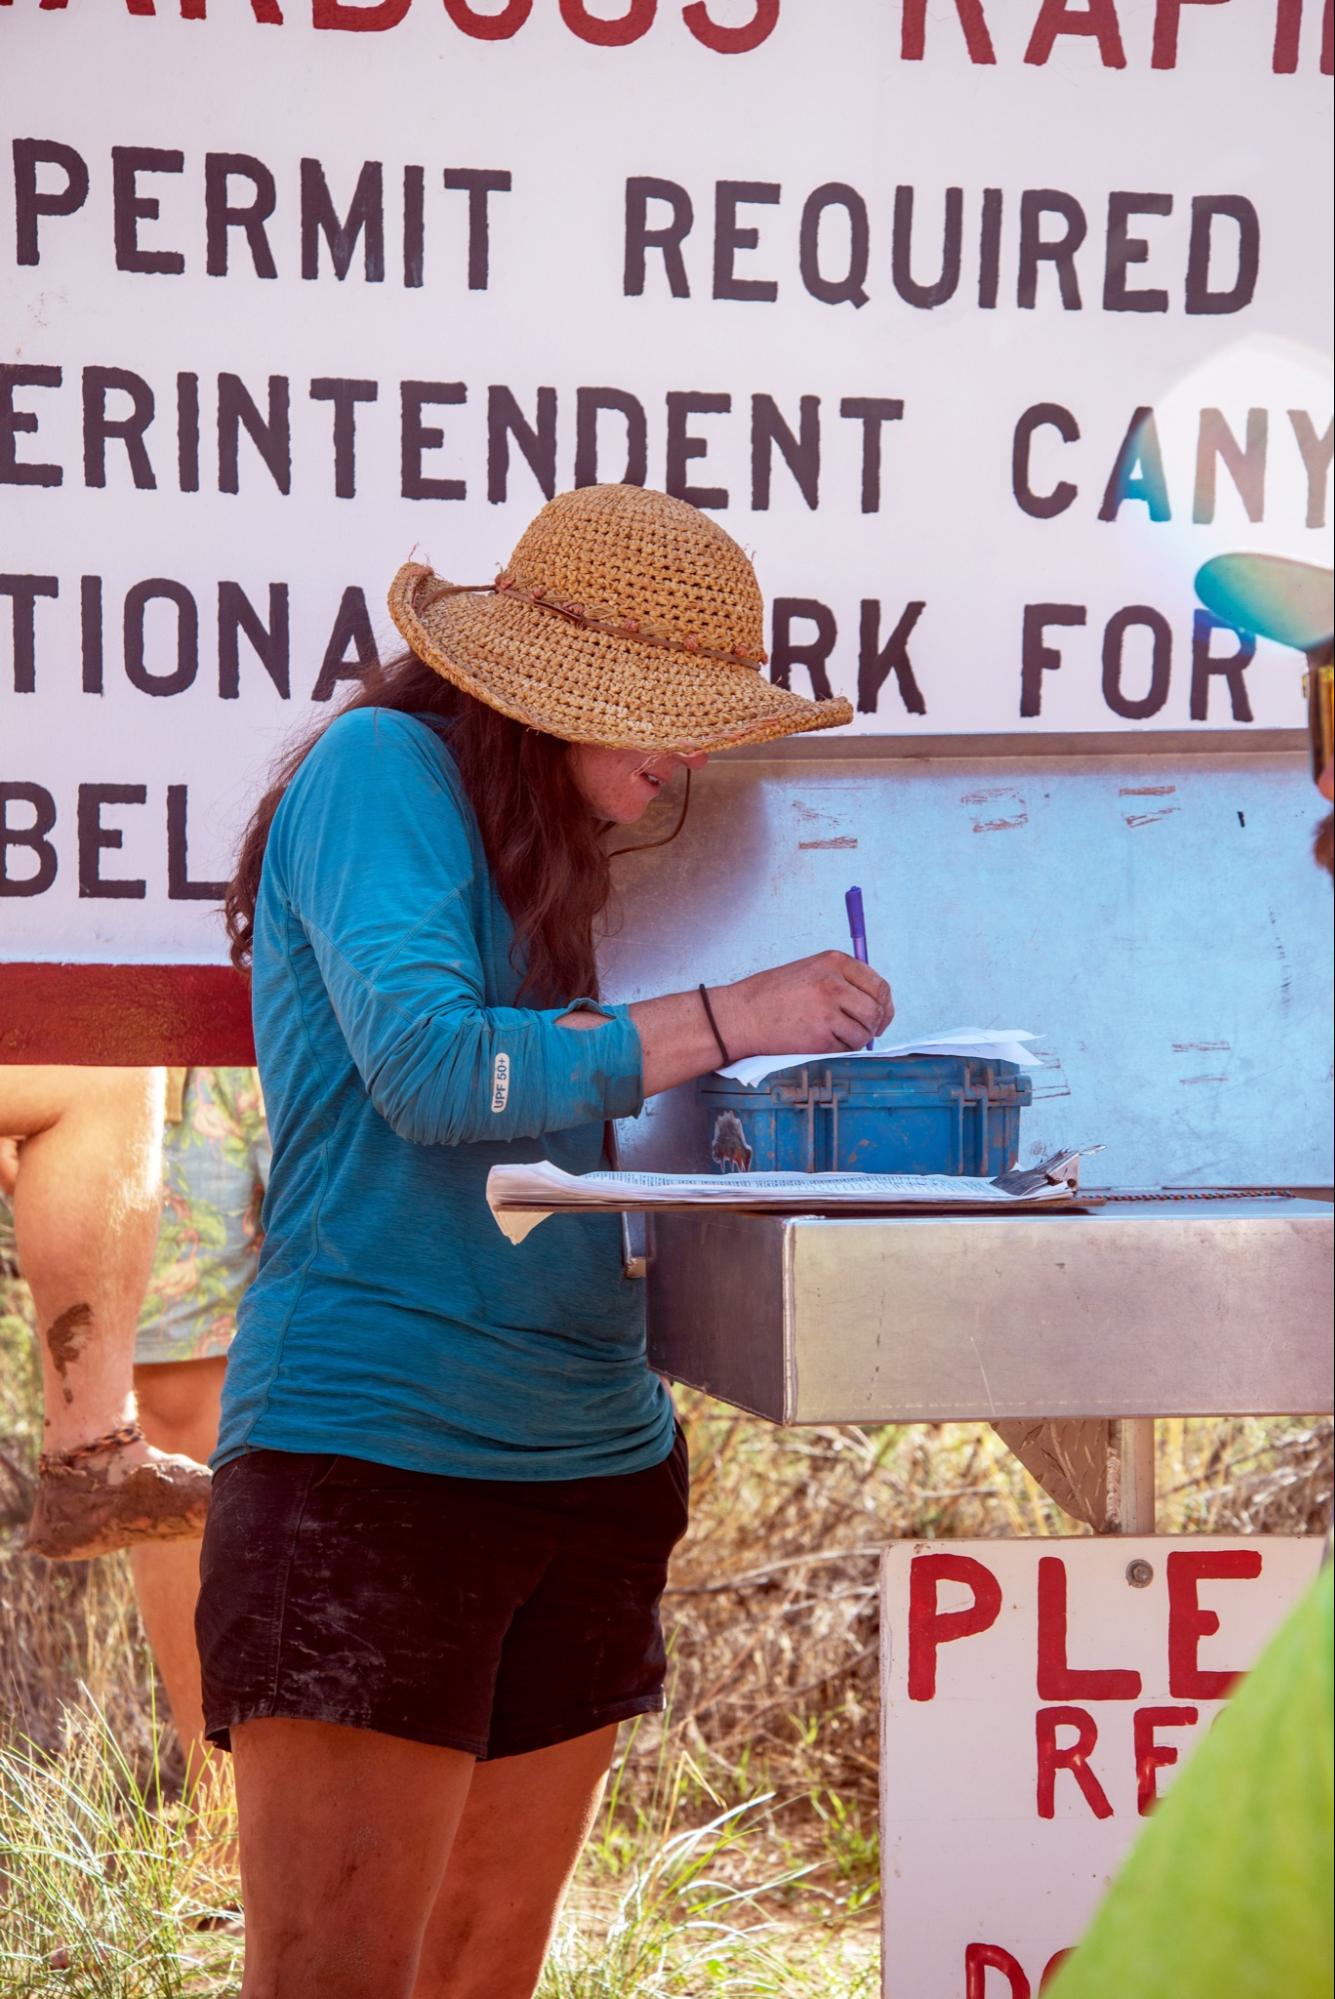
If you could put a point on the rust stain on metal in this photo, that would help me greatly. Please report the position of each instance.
(1150, 818)
(728, 1148)
(65, 1338)
(813, 846)
(1003, 823)
(1147, 791)
(1286, 976)
(1202, 1047)
(1006, 820)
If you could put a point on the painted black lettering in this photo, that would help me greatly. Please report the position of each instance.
(352, 629)
(787, 650)
(589, 406)
(128, 429)
(730, 237)
(1059, 251)
(271, 434)
(876, 662)
(23, 592)
(666, 237)
(364, 222)
(536, 441)
(180, 888)
(479, 184)
(15, 423)
(94, 839)
(416, 437)
(1137, 708)
(850, 289)
(1229, 667)
(130, 208)
(270, 642)
(871, 412)
(684, 444)
(1037, 657)
(1043, 506)
(941, 288)
(799, 450)
(222, 215)
(1123, 250)
(344, 392)
(34, 837)
(31, 203)
(160, 589)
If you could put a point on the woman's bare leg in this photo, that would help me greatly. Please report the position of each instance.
(522, 1831)
(87, 1204)
(178, 1408)
(345, 1836)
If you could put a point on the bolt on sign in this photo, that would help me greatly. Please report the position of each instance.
(1038, 1697)
(981, 323)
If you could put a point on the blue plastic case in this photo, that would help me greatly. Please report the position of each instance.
(909, 1114)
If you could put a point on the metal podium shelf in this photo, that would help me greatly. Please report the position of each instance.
(1148, 1308)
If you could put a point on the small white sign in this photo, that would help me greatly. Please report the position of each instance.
(1037, 1697)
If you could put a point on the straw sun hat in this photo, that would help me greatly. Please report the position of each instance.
(624, 618)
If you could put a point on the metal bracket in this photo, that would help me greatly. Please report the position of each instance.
(637, 1244)
(1131, 1475)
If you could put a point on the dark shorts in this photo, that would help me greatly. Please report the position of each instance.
(494, 1616)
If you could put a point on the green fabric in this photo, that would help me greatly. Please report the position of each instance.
(1227, 1894)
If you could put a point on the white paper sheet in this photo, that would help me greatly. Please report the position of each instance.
(987, 1044)
(522, 1196)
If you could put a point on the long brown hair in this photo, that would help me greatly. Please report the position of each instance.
(542, 843)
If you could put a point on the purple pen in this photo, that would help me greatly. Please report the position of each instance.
(857, 929)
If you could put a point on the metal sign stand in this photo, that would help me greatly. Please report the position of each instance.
(1131, 1460)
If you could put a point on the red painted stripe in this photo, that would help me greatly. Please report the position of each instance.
(125, 1016)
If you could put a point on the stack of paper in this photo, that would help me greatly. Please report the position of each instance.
(986, 1044)
(522, 1196)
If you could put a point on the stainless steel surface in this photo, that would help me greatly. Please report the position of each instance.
(1152, 1309)
(1154, 916)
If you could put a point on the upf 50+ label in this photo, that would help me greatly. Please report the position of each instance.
(500, 1084)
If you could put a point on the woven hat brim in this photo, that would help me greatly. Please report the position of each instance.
(588, 686)
(1272, 596)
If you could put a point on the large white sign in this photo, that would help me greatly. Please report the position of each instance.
(1038, 1697)
(980, 322)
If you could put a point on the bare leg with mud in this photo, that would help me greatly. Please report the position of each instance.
(178, 1408)
(87, 1204)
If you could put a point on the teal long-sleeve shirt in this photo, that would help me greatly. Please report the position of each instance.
(390, 1319)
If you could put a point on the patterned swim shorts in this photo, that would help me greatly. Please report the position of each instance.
(215, 1168)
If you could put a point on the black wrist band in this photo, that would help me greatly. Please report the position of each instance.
(709, 1016)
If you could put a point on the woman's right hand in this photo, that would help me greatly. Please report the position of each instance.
(815, 1006)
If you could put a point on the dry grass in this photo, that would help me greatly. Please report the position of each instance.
(738, 1849)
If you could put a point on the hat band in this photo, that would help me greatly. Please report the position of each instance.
(621, 628)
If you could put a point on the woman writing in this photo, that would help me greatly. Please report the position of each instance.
(447, 1483)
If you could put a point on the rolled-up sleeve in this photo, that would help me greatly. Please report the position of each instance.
(375, 860)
